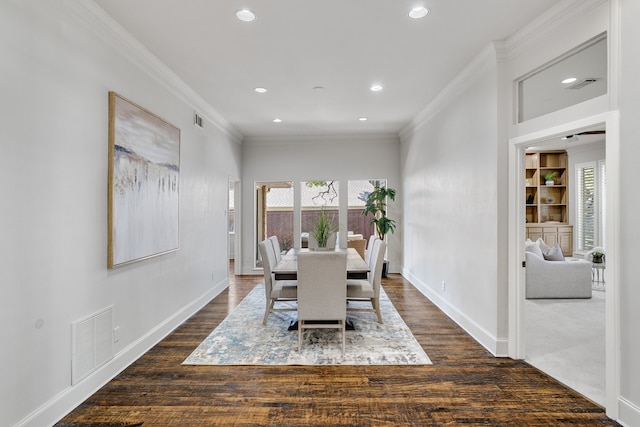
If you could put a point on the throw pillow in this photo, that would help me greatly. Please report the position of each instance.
(543, 246)
(533, 247)
(554, 254)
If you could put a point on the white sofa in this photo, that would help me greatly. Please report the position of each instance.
(556, 279)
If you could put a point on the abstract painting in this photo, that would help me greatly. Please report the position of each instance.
(144, 181)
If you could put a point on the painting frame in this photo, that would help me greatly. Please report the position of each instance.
(143, 184)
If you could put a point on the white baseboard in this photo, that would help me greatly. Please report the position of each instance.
(628, 413)
(497, 347)
(54, 410)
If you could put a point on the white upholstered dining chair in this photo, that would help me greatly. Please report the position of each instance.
(369, 290)
(369, 249)
(276, 247)
(275, 290)
(322, 292)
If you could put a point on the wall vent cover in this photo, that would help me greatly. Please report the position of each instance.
(91, 344)
(198, 121)
(583, 82)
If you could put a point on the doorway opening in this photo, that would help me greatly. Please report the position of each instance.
(524, 324)
(233, 201)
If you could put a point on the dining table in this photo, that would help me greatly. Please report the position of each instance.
(287, 267)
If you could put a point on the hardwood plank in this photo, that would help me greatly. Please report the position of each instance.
(465, 385)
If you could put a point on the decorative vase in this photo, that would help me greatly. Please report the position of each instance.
(549, 182)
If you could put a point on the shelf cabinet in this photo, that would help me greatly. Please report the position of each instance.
(552, 234)
(547, 198)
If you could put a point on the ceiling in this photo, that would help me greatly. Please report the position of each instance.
(318, 59)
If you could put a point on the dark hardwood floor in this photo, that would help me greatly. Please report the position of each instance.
(466, 385)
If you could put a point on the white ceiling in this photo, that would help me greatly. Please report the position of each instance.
(344, 46)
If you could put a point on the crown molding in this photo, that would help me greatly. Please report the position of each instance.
(286, 140)
(110, 31)
(562, 13)
(487, 58)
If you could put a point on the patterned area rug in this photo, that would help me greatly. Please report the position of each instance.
(242, 339)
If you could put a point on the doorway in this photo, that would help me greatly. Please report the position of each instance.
(233, 217)
(520, 330)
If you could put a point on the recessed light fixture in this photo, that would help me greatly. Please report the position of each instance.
(260, 89)
(277, 120)
(418, 12)
(245, 15)
(569, 80)
(376, 88)
(363, 119)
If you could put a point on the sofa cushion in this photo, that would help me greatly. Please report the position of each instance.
(533, 247)
(543, 246)
(554, 253)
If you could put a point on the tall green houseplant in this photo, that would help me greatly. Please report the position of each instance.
(376, 205)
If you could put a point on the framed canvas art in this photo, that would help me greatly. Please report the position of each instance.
(144, 183)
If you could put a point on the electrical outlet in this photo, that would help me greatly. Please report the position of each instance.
(443, 285)
(116, 334)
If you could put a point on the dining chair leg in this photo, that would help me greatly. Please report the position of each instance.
(300, 335)
(270, 303)
(376, 305)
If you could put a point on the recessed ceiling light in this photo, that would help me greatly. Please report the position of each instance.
(260, 89)
(569, 80)
(376, 88)
(245, 15)
(277, 120)
(418, 12)
(363, 119)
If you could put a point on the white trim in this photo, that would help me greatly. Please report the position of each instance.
(496, 346)
(562, 13)
(287, 140)
(629, 412)
(71, 397)
(109, 30)
(517, 148)
(488, 57)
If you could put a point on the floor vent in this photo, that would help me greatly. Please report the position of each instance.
(92, 344)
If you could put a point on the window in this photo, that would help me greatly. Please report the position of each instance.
(590, 206)
(548, 89)
(316, 196)
(274, 214)
(358, 192)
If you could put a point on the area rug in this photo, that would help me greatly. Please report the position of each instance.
(242, 339)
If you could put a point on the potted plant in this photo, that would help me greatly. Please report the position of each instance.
(376, 205)
(323, 228)
(597, 257)
(549, 177)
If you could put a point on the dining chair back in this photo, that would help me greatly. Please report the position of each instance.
(322, 292)
(369, 290)
(275, 290)
(276, 248)
(367, 253)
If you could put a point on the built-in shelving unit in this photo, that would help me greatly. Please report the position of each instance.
(547, 200)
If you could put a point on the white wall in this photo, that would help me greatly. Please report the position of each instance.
(629, 285)
(454, 217)
(55, 76)
(576, 26)
(342, 158)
